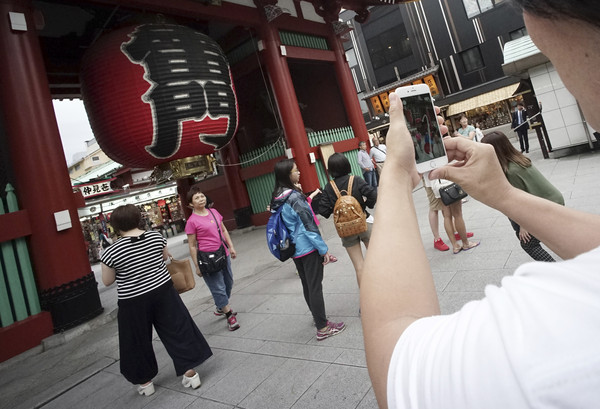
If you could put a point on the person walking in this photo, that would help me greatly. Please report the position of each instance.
(366, 164)
(521, 126)
(207, 233)
(339, 169)
(146, 299)
(523, 175)
(378, 154)
(311, 253)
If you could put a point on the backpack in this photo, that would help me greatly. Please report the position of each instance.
(348, 216)
(278, 238)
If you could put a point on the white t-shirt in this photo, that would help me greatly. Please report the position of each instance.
(532, 343)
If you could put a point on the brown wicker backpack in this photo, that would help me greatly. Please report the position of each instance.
(348, 216)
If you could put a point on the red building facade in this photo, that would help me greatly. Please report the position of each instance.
(294, 91)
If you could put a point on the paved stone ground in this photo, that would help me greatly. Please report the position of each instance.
(274, 360)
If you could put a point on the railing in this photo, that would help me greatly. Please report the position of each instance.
(261, 187)
(262, 154)
(303, 40)
(330, 135)
(18, 293)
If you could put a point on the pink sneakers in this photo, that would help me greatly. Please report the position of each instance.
(440, 245)
(333, 328)
(232, 322)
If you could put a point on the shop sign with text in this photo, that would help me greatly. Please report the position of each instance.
(95, 189)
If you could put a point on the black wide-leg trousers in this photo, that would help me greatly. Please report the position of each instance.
(163, 309)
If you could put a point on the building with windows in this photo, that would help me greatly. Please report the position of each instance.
(456, 47)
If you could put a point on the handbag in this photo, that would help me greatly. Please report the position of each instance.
(452, 193)
(181, 275)
(210, 262)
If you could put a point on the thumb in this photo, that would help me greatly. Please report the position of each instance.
(445, 172)
(396, 108)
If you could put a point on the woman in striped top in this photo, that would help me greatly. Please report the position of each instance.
(136, 261)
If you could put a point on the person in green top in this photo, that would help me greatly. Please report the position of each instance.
(523, 175)
(465, 130)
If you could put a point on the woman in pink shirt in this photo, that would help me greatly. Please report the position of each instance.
(206, 232)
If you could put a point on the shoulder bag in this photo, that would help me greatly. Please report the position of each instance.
(450, 192)
(211, 262)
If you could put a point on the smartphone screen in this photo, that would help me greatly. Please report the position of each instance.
(423, 126)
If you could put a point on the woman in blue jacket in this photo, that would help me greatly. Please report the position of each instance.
(311, 251)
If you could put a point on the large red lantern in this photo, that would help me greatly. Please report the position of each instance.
(158, 92)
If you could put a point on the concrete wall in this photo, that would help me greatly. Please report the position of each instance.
(564, 121)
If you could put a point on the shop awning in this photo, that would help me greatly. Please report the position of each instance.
(97, 172)
(499, 94)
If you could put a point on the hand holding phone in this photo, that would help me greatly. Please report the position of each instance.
(421, 120)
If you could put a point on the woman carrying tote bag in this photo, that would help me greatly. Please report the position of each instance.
(136, 261)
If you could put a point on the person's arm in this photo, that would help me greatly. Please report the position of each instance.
(471, 135)
(325, 204)
(166, 253)
(227, 237)
(367, 191)
(109, 275)
(193, 247)
(478, 172)
(397, 286)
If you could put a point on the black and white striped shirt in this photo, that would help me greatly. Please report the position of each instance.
(138, 262)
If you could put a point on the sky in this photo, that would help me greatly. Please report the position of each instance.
(73, 125)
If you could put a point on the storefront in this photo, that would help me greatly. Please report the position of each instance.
(160, 206)
(489, 110)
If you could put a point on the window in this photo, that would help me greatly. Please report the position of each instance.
(522, 32)
(389, 47)
(472, 59)
(476, 7)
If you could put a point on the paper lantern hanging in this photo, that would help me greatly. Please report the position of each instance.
(158, 92)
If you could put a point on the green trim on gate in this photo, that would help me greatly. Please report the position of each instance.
(18, 292)
(242, 51)
(260, 190)
(294, 39)
(262, 154)
(330, 135)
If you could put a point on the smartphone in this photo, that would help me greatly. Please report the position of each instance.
(422, 123)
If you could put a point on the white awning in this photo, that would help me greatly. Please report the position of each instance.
(99, 171)
(499, 94)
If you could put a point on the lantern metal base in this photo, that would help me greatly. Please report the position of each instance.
(72, 303)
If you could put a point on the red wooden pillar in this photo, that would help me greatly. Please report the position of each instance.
(242, 209)
(66, 283)
(348, 90)
(287, 103)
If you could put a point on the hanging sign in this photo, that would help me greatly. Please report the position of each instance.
(95, 189)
